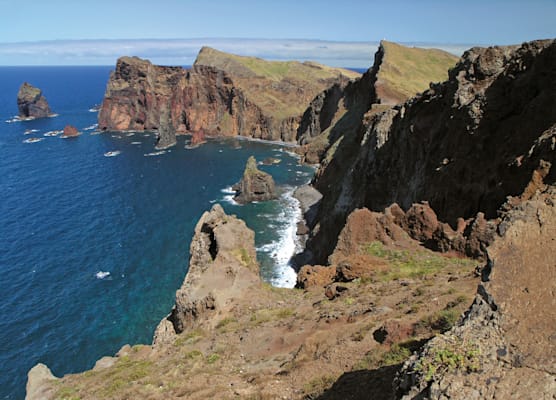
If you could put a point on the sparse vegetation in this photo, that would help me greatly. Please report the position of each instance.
(317, 386)
(213, 358)
(448, 358)
(419, 264)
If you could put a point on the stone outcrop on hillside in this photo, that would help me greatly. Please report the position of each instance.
(222, 266)
(463, 146)
(31, 103)
(504, 347)
(222, 94)
(255, 185)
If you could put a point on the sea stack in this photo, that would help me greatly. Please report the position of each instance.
(31, 103)
(70, 131)
(166, 130)
(255, 185)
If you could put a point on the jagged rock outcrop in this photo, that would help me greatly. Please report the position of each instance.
(504, 347)
(38, 383)
(255, 185)
(222, 94)
(166, 136)
(222, 266)
(463, 145)
(31, 103)
(398, 73)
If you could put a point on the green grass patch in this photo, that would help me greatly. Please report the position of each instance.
(67, 393)
(191, 337)
(448, 358)
(124, 373)
(317, 386)
(213, 358)
(415, 264)
(225, 322)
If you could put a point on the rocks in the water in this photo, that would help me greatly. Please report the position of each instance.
(255, 185)
(166, 131)
(271, 161)
(198, 138)
(70, 131)
(31, 103)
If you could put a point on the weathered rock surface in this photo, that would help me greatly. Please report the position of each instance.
(222, 94)
(504, 347)
(70, 131)
(315, 276)
(222, 267)
(255, 185)
(463, 146)
(31, 103)
(166, 135)
(38, 383)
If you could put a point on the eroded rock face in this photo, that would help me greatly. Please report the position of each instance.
(504, 347)
(219, 95)
(463, 146)
(31, 103)
(222, 266)
(166, 132)
(255, 185)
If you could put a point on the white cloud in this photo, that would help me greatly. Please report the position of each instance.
(184, 51)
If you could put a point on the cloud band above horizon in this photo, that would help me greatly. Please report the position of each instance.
(184, 51)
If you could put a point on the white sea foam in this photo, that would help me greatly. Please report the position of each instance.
(102, 274)
(90, 128)
(287, 245)
(155, 153)
(33, 140)
(135, 142)
(112, 153)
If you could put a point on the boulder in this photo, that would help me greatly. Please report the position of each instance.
(315, 276)
(255, 185)
(31, 103)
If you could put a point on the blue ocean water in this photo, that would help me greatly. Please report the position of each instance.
(92, 248)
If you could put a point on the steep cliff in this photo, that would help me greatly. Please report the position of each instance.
(504, 347)
(222, 94)
(31, 103)
(398, 73)
(463, 145)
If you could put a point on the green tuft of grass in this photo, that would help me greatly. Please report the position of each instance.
(213, 358)
(225, 322)
(317, 386)
(450, 357)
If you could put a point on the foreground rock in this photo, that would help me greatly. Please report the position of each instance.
(504, 347)
(31, 103)
(222, 94)
(255, 185)
(222, 267)
(463, 146)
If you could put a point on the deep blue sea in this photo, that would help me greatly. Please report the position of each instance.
(93, 248)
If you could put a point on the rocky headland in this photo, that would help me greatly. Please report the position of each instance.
(255, 185)
(431, 274)
(222, 95)
(31, 103)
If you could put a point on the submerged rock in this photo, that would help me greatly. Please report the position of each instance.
(31, 103)
(255, 185)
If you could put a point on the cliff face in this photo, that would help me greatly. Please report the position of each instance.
(222, 94)
(463, 146)
(31, 103)
(398, 73)
(504, 347)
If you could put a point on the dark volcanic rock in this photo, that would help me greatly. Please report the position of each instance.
(255, 185)
(504, 347)
(463, 146)
(166, 132)
(31, 103)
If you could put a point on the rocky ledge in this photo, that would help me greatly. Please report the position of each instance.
(31, 103)
(255, 185)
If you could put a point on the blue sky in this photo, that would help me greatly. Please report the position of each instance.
(72, 29)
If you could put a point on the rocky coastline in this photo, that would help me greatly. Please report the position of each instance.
(428, 223)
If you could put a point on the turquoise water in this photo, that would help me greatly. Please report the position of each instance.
(92, 248)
